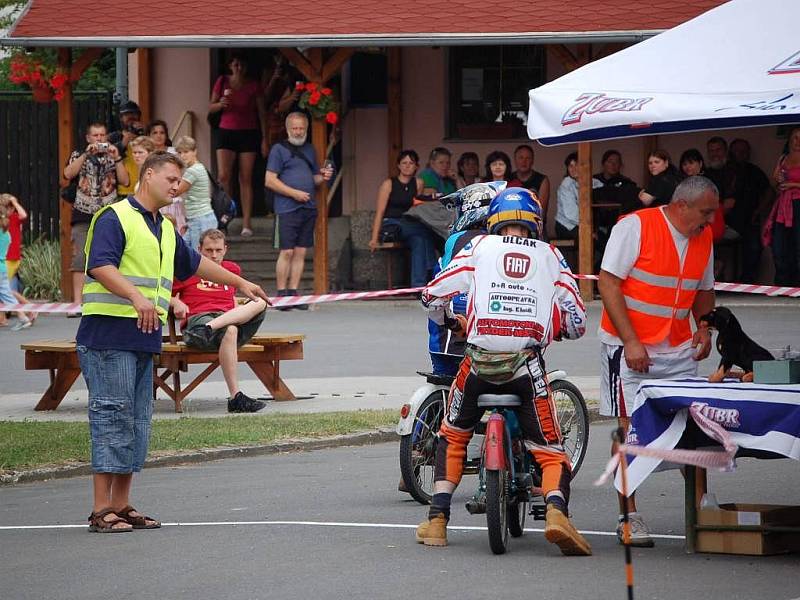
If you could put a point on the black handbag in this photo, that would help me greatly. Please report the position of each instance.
(214, 118)
(223, 205)
(389, 233)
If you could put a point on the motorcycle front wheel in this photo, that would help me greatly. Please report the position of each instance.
(418, 448)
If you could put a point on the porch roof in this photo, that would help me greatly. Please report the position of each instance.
(201, 23)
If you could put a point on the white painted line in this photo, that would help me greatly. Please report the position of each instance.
(662, 536)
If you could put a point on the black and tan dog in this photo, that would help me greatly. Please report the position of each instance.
(733, 345)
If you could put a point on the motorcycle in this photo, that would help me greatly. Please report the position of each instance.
(422, 415)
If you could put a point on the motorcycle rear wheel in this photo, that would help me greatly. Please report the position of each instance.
(497, 510)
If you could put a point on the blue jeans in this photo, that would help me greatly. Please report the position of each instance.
(196, 226)
(422, 243)
(786, 249)
(120, 407)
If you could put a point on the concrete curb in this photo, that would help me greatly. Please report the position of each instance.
(361, 438)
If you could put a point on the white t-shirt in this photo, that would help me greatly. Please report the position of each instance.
(622, 252)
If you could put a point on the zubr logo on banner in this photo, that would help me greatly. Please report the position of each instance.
(589, 104)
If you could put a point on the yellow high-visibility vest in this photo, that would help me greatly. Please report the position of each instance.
(146, 264)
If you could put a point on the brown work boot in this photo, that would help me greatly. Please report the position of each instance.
(433, 532)
(558, 530)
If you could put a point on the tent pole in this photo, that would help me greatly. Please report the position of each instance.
(65, 145)
(585, 239)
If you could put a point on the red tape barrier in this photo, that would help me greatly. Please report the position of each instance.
(62, 307)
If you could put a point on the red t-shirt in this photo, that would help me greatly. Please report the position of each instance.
(206, 296)
(15, 229)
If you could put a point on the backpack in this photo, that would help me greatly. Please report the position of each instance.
(223, 205)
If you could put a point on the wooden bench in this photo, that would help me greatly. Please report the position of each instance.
(262, 354)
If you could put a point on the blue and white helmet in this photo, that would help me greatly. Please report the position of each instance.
(472, 204)
(515, 206)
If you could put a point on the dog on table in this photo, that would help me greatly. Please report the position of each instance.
(733, 345)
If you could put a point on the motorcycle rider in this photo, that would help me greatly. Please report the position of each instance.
(522, 295)
(472, 205)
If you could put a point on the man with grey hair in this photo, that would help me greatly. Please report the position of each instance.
(293, 174)
(658, 269)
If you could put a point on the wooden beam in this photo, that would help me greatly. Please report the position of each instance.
(319, 137)
(83, 62)
(144, 76)
(65, 146)
(564, 55)
(586, 228)
(394, 106)
(609, 49)
(335, 63)
(300, 62)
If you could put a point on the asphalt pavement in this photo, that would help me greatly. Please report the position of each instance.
(330, 524)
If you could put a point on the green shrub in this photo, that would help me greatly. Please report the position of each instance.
(40, 270)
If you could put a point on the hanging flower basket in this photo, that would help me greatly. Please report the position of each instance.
(33, 70)
(42, 93)
(318, 101)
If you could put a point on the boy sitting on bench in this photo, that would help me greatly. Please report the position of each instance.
(212, 321)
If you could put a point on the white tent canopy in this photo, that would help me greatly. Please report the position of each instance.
(737, 65)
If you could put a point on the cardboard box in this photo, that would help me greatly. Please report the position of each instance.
(757, 543)
(776, 371)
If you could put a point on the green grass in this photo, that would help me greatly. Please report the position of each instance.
(31, 444)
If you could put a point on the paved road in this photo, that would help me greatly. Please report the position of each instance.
(278, 557)
(371, 339)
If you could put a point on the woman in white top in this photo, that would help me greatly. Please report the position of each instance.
(195, 188)
(567, 218)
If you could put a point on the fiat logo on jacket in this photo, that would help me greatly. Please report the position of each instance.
(516, 265)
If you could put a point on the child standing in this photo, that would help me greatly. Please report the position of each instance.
(16, 216)
(6, 297)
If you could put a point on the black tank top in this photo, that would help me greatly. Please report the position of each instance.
(400, 198)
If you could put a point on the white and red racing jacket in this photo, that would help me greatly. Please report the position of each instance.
(522, 293)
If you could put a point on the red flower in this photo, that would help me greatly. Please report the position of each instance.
(58, 81)
(332, 118)
(311, 86)
(299, 86)
(314, 99)
(59, 94)
(326, 91)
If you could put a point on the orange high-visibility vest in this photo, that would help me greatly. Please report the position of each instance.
(658, 293)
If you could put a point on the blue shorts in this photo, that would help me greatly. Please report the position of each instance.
(120, 407)
(296, 228)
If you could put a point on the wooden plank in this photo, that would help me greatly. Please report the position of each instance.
(394, 99)
(300, 62)
(263, 338)
(585, 241)
(50, 345)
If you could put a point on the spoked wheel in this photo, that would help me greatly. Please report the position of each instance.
(418, 448)
(517, 511)
(573, 417)
(497, 510)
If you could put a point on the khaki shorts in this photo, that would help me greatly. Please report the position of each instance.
(619, 384)
(79, 233)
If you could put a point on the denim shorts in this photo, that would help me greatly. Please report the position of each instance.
(120, 386)
(195, 228)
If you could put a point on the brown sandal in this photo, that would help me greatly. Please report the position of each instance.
(140, 522)
(99, 524)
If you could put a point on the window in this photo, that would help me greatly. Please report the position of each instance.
(489, 89)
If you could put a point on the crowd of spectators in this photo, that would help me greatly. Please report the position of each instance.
(748, 219)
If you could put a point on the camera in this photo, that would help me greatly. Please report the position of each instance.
(135, 128)
(102, 147)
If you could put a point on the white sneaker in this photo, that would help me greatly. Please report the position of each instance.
(640, 535)
(19, 325)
